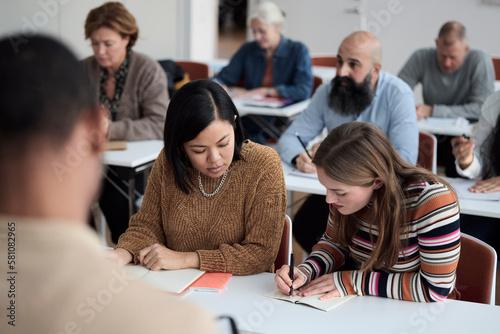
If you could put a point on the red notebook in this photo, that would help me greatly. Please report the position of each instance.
(211, 282)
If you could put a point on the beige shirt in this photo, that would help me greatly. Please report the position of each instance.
(60, 282)
(144, 101)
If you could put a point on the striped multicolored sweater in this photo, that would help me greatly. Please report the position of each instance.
(426, 267)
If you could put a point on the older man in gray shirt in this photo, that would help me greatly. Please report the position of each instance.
(455, 80)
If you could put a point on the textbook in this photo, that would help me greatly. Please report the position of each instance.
(313, 301)
(270, 102)
(211, 282)
(175, 281)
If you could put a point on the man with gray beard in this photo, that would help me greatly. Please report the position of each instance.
(359, 92)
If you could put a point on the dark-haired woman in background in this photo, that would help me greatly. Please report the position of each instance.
(133, 87)
(213, 201)
(480, 157)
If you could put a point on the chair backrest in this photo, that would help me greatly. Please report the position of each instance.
(317, 81)
(285, 249)
(195, 70)
(427, 151)
(496, 67)
(477, 270)
(328, 61)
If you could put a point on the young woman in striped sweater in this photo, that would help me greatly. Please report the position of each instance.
(399, 223)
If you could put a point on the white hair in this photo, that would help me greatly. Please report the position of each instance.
(268, 13)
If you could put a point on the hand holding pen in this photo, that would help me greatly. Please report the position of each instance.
(463, 150)
(303, 161)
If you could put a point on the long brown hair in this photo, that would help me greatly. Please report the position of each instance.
(355, 153)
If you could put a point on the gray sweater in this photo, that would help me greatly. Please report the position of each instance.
(460, 93)
(144, 101)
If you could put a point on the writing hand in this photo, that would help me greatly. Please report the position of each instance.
(487, 186)
(322, 284)
(304, 163)
(283, 281)
(158, 257)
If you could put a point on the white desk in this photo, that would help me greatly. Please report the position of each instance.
(138, 156)
(467, 206)
(243, 299)
(446, 126)
(256, 114)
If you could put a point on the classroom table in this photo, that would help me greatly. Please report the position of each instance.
(256, 113)
(310, 185)
(446, 126)
(138, 156)
(243, 299)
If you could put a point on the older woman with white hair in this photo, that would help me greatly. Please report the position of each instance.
(271, 65)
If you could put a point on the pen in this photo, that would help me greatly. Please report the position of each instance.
(303, 145)
(291, 272)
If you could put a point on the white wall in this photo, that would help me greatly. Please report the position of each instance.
(162, 29)
(402, 25)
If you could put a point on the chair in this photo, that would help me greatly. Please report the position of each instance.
(328, 61)
(317, 81)
(476, 271)
(285, 249)
(496, 67)
(427, 151)
(195, 70)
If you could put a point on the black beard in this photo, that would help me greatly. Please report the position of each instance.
(352, 98)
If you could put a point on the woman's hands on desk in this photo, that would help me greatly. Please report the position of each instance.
(486, 186)
(462, 149)
(157, 257)
(322, 284)
(283, 281)
(120, 256)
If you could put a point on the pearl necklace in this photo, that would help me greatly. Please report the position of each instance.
(216, 190)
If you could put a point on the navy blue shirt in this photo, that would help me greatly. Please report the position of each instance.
(292, 72)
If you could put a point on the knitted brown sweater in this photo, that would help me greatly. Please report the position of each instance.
(238, 230)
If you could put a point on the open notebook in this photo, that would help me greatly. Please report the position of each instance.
(313, 301)
(175, 281)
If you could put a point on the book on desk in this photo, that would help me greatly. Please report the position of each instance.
(179, 281)
(313, 301)
(269, 102)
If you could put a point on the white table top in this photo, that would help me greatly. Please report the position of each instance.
(136, 154)
(288, 111)
(446, 126)
(467, 206)
(243, 299)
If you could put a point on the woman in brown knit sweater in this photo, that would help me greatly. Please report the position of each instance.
(213, 201)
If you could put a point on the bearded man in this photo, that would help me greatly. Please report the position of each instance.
(362, 92)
